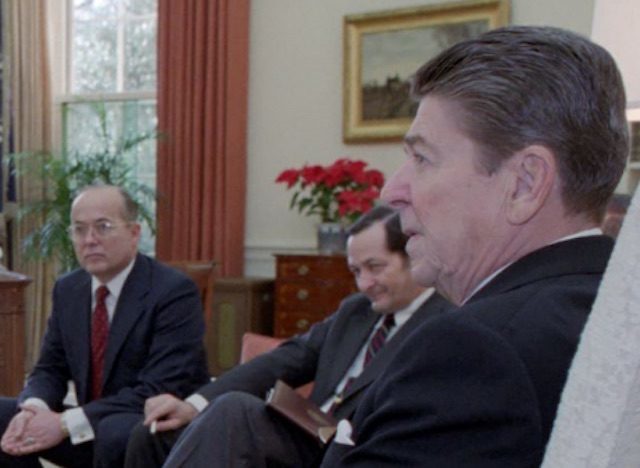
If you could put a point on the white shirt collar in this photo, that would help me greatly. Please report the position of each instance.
(405, 314)
(116, 283)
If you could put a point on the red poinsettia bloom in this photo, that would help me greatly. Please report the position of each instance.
(290, 176)
(374, 178)
(342, 190)
(312, 174)
(352, 202)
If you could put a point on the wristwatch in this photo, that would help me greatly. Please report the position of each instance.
(63, 425)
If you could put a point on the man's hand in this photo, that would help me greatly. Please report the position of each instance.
(31, 430)
(168, 412)
(12, 439)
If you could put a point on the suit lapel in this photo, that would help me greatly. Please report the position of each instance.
(129, 308)
(79, 335)
(434, 305)
(358, 329)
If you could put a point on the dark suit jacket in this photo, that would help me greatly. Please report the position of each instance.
(323, 355)
(155, 342)
(479, 387)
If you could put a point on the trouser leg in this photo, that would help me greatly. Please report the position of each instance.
(112, 435)
(146, 450)
(237, 430)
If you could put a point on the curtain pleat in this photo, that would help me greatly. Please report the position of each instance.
(202, 117)
(30, 125)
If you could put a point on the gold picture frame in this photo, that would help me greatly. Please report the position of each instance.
(383, 49)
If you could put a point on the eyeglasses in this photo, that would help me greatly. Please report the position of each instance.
(101, 229)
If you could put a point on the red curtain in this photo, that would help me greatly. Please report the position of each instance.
(202, 118)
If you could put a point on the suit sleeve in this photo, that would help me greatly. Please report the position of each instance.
(49, 378)
(295, 362)
(456, 395)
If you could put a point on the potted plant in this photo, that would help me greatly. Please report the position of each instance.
(338, 193)
(63, 175)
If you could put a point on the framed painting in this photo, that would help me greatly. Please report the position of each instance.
(382, 50)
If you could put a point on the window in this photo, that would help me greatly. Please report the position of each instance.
(110, 91)
(113, 46)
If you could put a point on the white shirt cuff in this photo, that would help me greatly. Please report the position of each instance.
(80, 429)
(197, 401)
(343, 433)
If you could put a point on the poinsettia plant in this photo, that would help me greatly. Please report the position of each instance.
(341, 191)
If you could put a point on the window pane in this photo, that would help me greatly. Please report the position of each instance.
(141, 7)
(114, 46)
(140, 55)
(93, 9)
(94, 56)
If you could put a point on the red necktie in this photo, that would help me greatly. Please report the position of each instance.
(99, 337)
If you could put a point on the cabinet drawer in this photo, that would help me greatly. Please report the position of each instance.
(310, 268)
(309, 287)
(294, 323)
(325, 295)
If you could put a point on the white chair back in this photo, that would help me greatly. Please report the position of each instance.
(598, 420)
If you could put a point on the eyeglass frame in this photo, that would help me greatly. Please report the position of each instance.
(101, 229)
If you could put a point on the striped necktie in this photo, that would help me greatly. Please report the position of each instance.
(375, 344)
(379, 338)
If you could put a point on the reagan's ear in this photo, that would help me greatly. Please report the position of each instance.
(534, 174)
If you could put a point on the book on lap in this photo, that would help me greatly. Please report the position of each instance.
(302, 412)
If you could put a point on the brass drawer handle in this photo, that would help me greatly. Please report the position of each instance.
(303, 270)
(302, 294)
(302, 324)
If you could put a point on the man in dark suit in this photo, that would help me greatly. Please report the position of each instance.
(518, 142)
(236, 429)
(143, 337)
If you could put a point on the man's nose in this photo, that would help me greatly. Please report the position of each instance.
(89, 237)
(396, 190)
(365, 281)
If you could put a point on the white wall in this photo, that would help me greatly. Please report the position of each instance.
(616, 27)
(295, 105)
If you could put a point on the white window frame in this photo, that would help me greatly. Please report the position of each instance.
(61, 25)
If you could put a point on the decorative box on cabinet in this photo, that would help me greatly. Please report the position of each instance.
(239, 305)
(12, 348)
(309, 287)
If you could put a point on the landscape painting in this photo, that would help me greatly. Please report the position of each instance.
(383, 50)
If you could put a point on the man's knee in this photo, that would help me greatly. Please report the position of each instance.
(237, 402)
(140, 437)
(8, 409)
(112, 434)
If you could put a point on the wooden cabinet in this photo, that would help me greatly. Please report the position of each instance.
(309, 287)
(12, 333)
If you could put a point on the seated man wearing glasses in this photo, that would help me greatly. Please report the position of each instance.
(122, 328)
